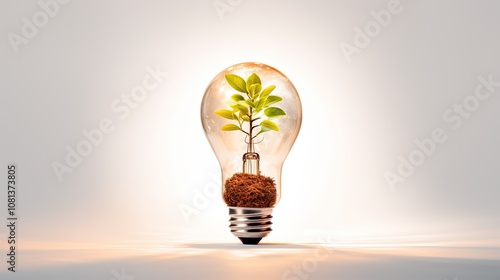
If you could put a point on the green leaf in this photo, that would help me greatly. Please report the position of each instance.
(237, 97)
(254, 90)
(234, 107)
(262, 130)
(228, 114)
(270, 125)
(274, 112)
(236, 82)
(260, 105)
(242, 103)
(252, 80)
(245, 118)
(271, 100)
(243, 109)
(230, 127)
(250, 103)
(265, 93)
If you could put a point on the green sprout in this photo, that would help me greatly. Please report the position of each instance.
(252, 107)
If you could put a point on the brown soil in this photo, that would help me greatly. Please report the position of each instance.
(249, 190)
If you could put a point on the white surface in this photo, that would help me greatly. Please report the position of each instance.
(267, 261)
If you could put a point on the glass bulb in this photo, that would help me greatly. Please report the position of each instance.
(251, 135)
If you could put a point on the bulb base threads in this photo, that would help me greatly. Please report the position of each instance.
(250, 225)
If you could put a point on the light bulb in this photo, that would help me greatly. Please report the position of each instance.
(251, 114)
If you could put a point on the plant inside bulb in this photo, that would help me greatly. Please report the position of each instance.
(251, 114)
(252, 111)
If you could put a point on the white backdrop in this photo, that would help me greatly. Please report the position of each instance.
(373, 76)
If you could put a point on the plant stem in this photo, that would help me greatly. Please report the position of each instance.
(250, 141)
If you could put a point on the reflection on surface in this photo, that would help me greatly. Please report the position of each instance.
(266, 261)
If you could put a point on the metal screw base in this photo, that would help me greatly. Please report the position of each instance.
(250, 225)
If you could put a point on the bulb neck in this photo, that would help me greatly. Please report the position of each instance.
(251, 163)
